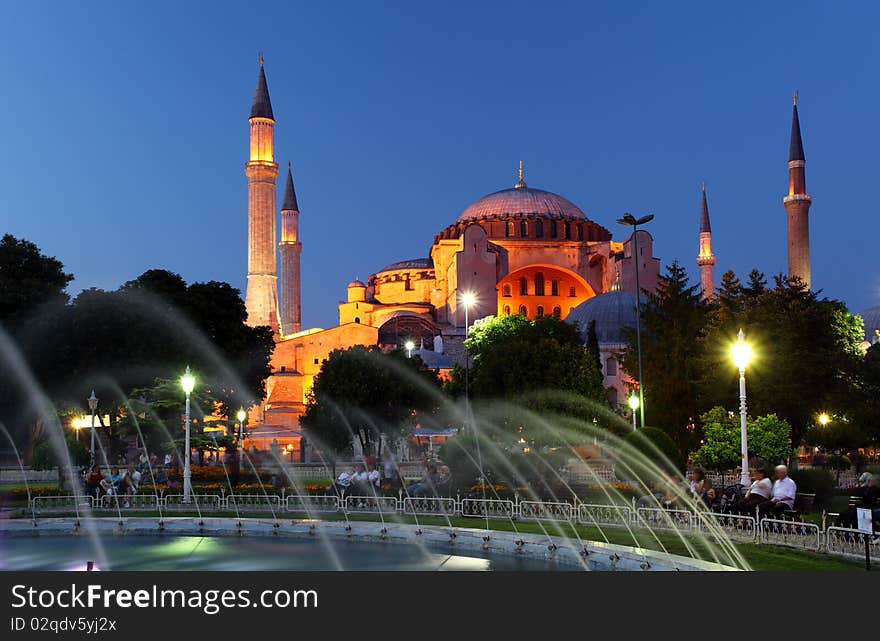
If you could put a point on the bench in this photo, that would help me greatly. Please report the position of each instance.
(803, 502)
(853, 502)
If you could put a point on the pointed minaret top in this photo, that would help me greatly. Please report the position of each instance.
(520, 184)
(704, 214)
(262, 107)
(289, 203)
(796, 149)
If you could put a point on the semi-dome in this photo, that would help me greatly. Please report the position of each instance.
(871, 317)
(613, 312)
(521, 200)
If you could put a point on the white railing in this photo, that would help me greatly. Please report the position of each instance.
(807, 536)
(482, 508)
(545, 511)
(430, 506)
(371, 504)
(659, 519)
(790, 533)
(196, 502)
(308, 504)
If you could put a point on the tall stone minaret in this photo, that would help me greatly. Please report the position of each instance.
(797, 205)
(706, 259)
(261, 299)
(290, 249)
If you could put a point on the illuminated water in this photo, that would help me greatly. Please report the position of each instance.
(188, 553)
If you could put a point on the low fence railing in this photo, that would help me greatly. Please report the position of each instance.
(796, 534)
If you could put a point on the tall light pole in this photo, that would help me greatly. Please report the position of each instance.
(467, 299)
(187, 382)
(634, 405)
(241, 415)
(631, 221)
(742, 354)
(93, 405)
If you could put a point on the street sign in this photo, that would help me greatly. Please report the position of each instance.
(864, 520)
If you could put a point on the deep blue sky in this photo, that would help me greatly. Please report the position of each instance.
(123, 128)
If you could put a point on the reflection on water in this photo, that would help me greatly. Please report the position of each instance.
(183, 553)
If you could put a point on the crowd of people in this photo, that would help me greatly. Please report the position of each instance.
(364, 479)
(121, 482)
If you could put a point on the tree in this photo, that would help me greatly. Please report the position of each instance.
(28, 280)
(649, 441)
(768, 439)
(516, 359)
(364, 393)
(672, 320)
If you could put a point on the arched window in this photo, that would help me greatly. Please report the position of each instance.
(572, 292)
(523, 287)
(523, 311)
(357, 319)
(539, 229)
(554, 232)
(509, 229)
(580, 232)
(505, 291)
(539, 284)
(567, 231)
(507, 310)
(554, 287)
(540, 310)
(611, 366)
(557, 312)
(523, 228)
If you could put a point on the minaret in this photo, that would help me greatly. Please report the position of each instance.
(290, 249)
(797, 205)
(706, 259)
(261, 299)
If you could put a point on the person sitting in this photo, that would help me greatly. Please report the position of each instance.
(427, 484)
(701, 488)
(759, 492)
(161, 477)
(342, 484)
(782, 497)
(374, 479)
(868, 491)
(131, 479)
(93, 482)
(360, 483)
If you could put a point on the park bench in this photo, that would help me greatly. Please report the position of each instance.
(803, 502)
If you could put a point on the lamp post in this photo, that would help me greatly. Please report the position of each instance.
(240, 415)
(742, 354)
(467, 299)
(93, 405)
(631, 221)
(187, 382)
(634, 405)
(409, 345)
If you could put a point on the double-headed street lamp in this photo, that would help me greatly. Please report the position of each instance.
(93, 405)
(187, 382)
(631, 221)
(742, 354)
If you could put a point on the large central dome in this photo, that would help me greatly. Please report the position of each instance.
(521, 200)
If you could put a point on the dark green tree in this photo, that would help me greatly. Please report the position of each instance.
(29, 280)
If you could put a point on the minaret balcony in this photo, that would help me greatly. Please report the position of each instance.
(797, 197)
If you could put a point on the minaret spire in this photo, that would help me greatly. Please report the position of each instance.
(290, 249)
(261, 297)
(797, 204)
(706, 259)
(520, 184)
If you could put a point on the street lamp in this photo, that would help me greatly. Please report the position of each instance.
(240, 415)
(187, 382)
(742, 354)
(631, 221)
(467, 299)
(824, 419)
(634, 405)
(409, 345)
(93, 405)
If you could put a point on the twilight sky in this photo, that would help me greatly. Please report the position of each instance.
(123, 128)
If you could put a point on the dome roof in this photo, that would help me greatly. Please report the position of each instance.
(612, 312)
(871, 317)
(521, 200)
(356, 283)
(416, 263)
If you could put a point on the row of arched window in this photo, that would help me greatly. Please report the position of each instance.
(540, 287)
(554, 229)
(539, 311)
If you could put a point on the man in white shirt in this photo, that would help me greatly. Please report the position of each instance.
(784, 491)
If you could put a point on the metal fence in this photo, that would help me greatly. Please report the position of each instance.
(796, 534)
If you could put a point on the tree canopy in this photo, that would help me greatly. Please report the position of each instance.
(768, 439)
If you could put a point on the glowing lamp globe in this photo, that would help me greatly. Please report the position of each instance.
(824, 419)
(409, 345)
(187, 381)
(468, 299)
(742, 351)
(241, 415)
(633, 402)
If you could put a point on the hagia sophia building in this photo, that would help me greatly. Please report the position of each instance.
(519, 250)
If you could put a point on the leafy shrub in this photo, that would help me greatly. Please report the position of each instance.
(649, 440)
(814, 481)
(45, 457)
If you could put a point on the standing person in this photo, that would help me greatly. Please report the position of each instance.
(759, 493)
(784, 492)
(94, 482)
(868, 492)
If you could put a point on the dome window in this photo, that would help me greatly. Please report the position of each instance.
(539, 229)
(554, 231)
(523, 228)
